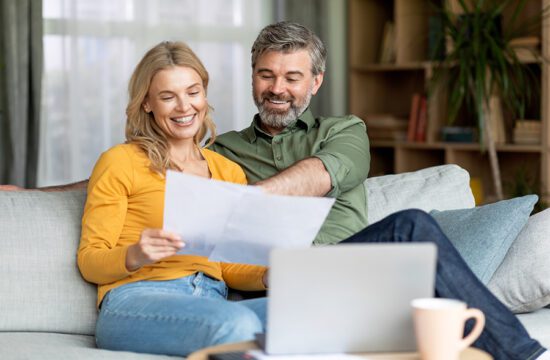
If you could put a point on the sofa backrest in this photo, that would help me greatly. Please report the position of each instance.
(40, 286)
(445, 187)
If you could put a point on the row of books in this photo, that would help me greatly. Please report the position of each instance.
(400, 127)
(413, 128)
(527, 132)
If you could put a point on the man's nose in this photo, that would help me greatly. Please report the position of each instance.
(278, 86)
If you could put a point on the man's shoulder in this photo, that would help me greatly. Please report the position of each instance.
(231, 136)
(229, 141)
(217, 158)
(340, 122)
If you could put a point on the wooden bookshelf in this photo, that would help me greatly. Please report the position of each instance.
(387, 88)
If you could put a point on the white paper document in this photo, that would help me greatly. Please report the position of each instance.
(238, 223)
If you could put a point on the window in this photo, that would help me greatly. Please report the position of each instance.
(91, 48)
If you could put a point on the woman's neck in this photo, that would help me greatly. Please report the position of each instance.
(185, 152)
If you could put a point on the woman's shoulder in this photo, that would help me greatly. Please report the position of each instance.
(222, 168)
(123, 152)
(119, 158)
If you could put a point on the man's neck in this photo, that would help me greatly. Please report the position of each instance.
(271, 130)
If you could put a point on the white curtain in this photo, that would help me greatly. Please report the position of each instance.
(91, 48)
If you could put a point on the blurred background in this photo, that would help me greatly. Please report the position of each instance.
(72, 60)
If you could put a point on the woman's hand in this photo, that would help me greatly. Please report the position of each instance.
(153, 245)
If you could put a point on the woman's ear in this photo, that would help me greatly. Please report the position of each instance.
(146, 106)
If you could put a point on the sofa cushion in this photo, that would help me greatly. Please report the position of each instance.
(538, 325)
(25, 345)
(41, 287)
(522, 281)
(442, 187)
(484, 234)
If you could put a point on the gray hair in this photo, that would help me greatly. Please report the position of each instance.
(288, 37)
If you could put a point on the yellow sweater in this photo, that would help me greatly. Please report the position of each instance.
(125, 197)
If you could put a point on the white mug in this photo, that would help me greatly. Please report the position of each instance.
(439, 327)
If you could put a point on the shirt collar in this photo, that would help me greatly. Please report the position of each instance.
(305, 120)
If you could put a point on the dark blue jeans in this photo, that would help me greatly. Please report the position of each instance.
(504, 337)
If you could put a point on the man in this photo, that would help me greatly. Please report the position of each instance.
(288, 151)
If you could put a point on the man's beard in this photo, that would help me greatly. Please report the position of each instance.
(281, 119)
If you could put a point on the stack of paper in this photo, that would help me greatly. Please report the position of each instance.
(237, 223)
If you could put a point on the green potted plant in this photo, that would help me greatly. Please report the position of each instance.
(479, 63)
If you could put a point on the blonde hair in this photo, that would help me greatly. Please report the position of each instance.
(141, 127)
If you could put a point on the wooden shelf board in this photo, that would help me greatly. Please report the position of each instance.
(391, 67)
(454, 146)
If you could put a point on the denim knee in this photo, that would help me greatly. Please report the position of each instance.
(416, 218)
(235, 323)
(413, 216)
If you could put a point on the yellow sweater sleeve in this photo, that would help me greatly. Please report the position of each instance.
(243, 276)
(100, 260)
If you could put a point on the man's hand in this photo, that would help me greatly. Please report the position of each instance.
(153, 245)
(11, 188)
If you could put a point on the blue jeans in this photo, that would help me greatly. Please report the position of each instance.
(179, 316)
(504, 337)
(176, 317)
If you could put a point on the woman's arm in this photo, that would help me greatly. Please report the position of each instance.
(244, 276)
(101, 259)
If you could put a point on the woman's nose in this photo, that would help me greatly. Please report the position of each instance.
(182, 104)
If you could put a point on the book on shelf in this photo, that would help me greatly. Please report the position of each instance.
(527, 132)
(422, 123)
(418, 119)
(496, 120)
(413, 117)
(386, 127)
(527, 48)
(387, 45)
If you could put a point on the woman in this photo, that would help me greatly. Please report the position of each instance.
(151, 299)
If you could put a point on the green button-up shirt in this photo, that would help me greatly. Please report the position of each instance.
(341, 143)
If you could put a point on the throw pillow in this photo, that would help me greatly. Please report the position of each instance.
(444, 187)
(484, 234)
(522, 281)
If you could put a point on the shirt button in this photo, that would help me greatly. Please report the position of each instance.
(279, 157)
(278, 141)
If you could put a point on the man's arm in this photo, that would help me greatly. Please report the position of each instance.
(341, 164)
(67, 187)
(307, 177)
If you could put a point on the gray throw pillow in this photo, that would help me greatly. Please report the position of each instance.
(522, 281)
(484, 234)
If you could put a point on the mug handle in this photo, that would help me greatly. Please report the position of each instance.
(477, 329)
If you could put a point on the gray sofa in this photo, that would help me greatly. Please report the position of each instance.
(47, 311)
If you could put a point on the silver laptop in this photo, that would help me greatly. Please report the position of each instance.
(346, 298)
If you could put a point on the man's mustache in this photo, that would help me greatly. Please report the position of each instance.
(271, 96)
